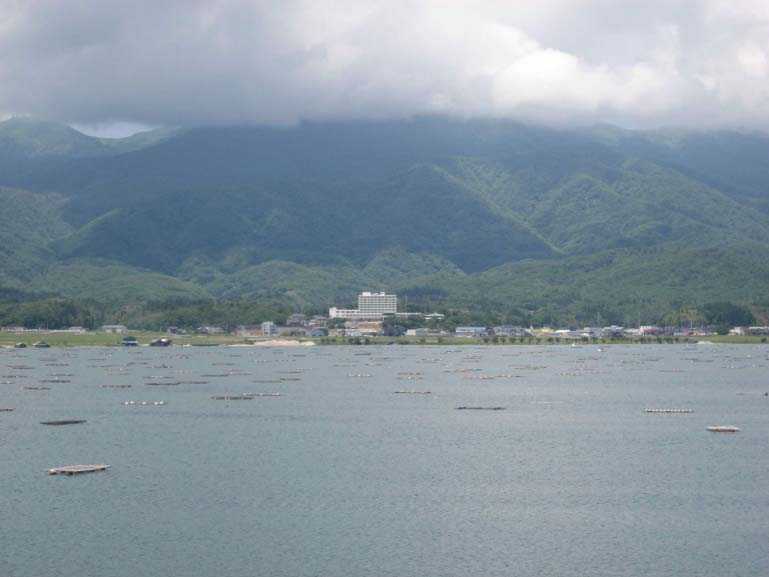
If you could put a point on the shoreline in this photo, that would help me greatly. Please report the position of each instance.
(95, 339)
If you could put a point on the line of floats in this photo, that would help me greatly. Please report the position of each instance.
(69, 470)
(712, 428)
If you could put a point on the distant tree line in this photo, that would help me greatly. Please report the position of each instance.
(58, 313)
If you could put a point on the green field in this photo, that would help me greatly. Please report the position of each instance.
(97, 339)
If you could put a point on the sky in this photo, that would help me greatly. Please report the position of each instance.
(111, 66)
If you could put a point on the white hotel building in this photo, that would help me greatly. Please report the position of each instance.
(371, 306)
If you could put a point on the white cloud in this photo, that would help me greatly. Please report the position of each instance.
(230, 61)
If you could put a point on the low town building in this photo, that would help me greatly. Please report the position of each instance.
(269, 329)
(363, 328)
(471, 332)
(418, 332)
(296, 320)
(510, 331)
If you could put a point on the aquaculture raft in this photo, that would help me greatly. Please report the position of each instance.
(63, 422)
(77, 469)
(463, 408)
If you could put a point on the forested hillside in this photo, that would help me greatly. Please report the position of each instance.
(530, 223)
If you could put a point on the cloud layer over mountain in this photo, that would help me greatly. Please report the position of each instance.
(633, 62)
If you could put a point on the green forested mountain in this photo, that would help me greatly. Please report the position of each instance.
(532, 223)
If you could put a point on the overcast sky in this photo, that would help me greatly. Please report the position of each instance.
(172, 62)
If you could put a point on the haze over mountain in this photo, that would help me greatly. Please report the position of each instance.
(466, 213)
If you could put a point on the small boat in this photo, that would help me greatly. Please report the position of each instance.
(412, 392)
(130, 342)
(6, 409)
(244, 397)
(666, 411)
(20, 346)
(161, 342)
(77, 469)
(63, 422)
(723, 429)
(41, 345)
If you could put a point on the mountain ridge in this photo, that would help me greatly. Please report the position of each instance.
(252, 212)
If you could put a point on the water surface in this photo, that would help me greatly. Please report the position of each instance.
(340, 476)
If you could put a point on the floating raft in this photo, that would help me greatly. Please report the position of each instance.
(244, 396)
(144, 403)
(723, 429)
(665, 411)
(63, 422)
(464, 408)
(6, 409)
(233, 397)
(77, 469)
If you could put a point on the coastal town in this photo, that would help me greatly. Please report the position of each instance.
(378, 315)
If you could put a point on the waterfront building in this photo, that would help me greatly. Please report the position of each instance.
(371, 306)
(613, 331)
(364, 327)
(646, 330)
(418, 332)
(510, 331)
(351, 314)
(758, 331)
(471, 332)
(269, 329)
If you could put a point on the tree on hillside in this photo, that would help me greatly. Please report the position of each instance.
(727, 314)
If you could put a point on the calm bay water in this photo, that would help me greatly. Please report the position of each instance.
(341, 477)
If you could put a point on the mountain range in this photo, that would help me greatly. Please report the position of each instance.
(540, 224)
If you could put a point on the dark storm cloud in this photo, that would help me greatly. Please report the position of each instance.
(695, 62)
